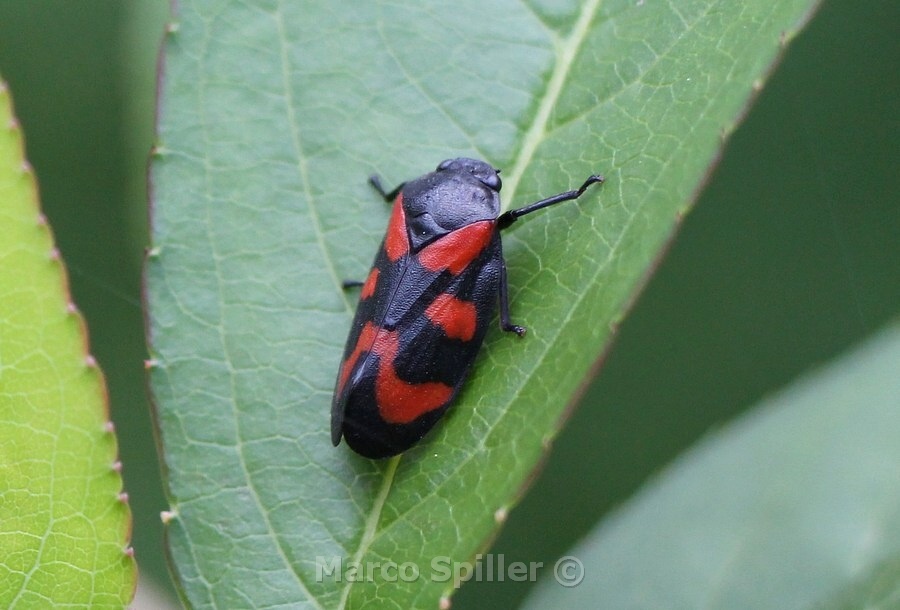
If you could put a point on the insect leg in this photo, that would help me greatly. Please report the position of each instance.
(351, 284)
(511, 216)
(505, 321)
(375, 181)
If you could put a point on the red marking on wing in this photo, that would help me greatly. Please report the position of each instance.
(456, 250)
(363, 343)
(368, 288)
(456, 317)
(396, 242)
(399, 402)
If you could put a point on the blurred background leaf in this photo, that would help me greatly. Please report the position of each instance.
(789, 258)
(795, 504)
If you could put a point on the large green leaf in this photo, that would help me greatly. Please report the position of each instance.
(796, 505)
(272, 115)
(64, 527)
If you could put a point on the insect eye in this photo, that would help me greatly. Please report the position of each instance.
(493, 181)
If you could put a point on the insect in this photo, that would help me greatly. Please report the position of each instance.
(426, 305)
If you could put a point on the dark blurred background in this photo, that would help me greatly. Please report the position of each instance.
(789, 258)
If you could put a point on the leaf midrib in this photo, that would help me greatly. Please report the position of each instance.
(566, 51)
(600, 267)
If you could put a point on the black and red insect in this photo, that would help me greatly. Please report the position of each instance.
(425, 307)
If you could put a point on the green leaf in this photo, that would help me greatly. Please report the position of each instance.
(273, 114)
(795, 505)
(64, 528)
